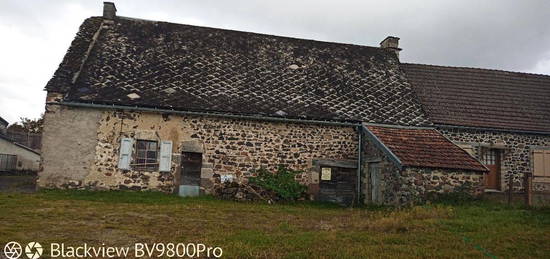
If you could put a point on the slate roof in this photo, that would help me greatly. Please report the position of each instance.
(424, 147)
(158, 64)
(482, 97)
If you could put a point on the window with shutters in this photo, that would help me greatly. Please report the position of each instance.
(541, 164)
(146, 156)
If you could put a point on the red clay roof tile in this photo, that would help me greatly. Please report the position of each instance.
(419, 147)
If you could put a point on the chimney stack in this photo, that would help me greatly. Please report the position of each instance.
(391, 43)
(109, 10)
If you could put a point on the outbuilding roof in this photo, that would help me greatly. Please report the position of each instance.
(424, 147)
(3, 122)
(135, 62)
(483, 98)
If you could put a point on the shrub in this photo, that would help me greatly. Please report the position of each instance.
(281, 182)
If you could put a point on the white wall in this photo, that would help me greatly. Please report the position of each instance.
(26, 160)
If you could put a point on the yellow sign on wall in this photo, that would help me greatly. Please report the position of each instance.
(326, 173)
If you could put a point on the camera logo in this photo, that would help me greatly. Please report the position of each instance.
(33, 250)
(12, 250)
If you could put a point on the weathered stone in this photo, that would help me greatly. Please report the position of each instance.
(207, 173)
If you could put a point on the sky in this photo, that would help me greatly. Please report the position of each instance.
(498, 34)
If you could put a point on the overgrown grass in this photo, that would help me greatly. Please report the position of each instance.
(254, 230)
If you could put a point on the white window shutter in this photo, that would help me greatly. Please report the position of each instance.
(165, 156)
(125, 155)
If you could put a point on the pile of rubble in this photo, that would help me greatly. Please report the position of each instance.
(244, 192)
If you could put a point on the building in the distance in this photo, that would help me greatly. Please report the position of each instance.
(15, 157)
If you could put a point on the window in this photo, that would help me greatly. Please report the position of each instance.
(541, 164)
(146, 155)
(490, 157)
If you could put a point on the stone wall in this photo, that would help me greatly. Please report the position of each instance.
(417, 184)
(229, 146)
(516, 159)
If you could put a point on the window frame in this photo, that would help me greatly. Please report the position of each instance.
(147, 166)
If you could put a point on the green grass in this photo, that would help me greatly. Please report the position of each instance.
(253, 230)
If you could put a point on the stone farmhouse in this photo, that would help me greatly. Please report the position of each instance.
(147, 105)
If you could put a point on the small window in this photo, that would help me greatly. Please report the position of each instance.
(146, 156)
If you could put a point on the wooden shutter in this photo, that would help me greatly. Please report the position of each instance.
(541, 163)
(125, 155)
(165, 156)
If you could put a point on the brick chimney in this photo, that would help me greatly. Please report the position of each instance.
(109, 10)
(391, 43)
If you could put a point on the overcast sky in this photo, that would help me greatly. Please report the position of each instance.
(500, 34)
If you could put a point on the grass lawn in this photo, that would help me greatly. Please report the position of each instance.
(303, 230)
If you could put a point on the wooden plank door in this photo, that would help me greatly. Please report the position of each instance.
(492, 159)
(337, 185)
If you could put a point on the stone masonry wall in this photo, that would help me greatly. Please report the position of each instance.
(517, 154)
(229, 146)
(417, 184)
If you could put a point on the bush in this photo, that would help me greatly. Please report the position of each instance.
(281, 182)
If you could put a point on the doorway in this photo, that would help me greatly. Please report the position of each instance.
(491, 158)
(190, 174)
(374, 173)
(337, 184)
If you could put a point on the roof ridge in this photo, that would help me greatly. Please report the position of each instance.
(476, 68)
(251, 32)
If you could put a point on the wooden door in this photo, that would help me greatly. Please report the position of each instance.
(374, 172)
(337, 185)
(491, 159)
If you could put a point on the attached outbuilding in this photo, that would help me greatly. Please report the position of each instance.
(405, 165)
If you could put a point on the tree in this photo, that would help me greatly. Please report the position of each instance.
(26, 125)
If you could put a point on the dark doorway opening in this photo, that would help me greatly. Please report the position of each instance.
(190, 178)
